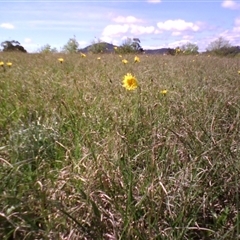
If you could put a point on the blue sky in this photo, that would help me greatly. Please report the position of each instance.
(157, 23)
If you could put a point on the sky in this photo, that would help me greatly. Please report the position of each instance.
(157, 23)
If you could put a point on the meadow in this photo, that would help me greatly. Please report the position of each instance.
(84, 158)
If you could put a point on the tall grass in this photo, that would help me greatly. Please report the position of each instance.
(82, 158)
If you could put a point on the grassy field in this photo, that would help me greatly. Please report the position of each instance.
(83, 158)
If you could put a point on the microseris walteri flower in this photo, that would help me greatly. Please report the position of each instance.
(1, 64)
(83, 55)
(61, 60)
(9, 64)
(130, 82)
(136, 59)
(164, 92)
(125, 61)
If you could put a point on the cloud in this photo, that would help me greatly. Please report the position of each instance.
(154, 1)
(231, 4)
(177, 43)
(236, 28)
(117, 30)
(82, 44)
(178, 25)
(139, 30)
(128, 19)
(7, 26)
(27, 40)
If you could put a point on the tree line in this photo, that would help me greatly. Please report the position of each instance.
(220, 46)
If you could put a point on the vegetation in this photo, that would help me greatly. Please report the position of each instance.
(71, 46)
(9, 46)
(189, 49)
(222, 47)
(98, 46)
(130, 46)
(84, 158)
(47, 49)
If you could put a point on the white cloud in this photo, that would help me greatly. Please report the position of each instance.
(231, 4)
(178, 25)
(139, 30)
(154, 1)
(236, 28)
(27, 40)
(157, 31)
(177, 43)
(7, 25)
(128, 19)
(115, 30)
(82, 44)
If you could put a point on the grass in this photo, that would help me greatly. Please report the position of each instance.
(83, 158)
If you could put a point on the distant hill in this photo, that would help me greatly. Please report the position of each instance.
(110, 49)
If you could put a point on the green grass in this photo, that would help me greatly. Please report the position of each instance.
(82, 158)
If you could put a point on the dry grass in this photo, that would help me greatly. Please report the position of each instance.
(82, 158)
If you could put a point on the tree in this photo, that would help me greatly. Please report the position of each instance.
(189, 48)
(47, 49)
(222, 47)
(12, 46)
(130, 46)
(218, 44)
(71, 46)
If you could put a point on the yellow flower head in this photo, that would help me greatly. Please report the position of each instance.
(164, 92)
(98, 58)
(60, 60)
(136, 59)
(115, 48)
(124, 61)
(83, 55)
(9, 64)
(130, 82)
(178, 50)
(120, 56)
(2, 64)
(239, 72)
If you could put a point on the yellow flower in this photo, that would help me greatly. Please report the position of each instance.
(164, 92)
(98, 58)
(60, 60)
(136, 59)
(239, 72)
(83, 55)
(130, 82)
(9, 64)
(178, 50)
(125, 61)
(120, 56)
(2, 64)
(115, 48)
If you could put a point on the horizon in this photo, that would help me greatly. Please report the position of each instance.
(158, 24)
